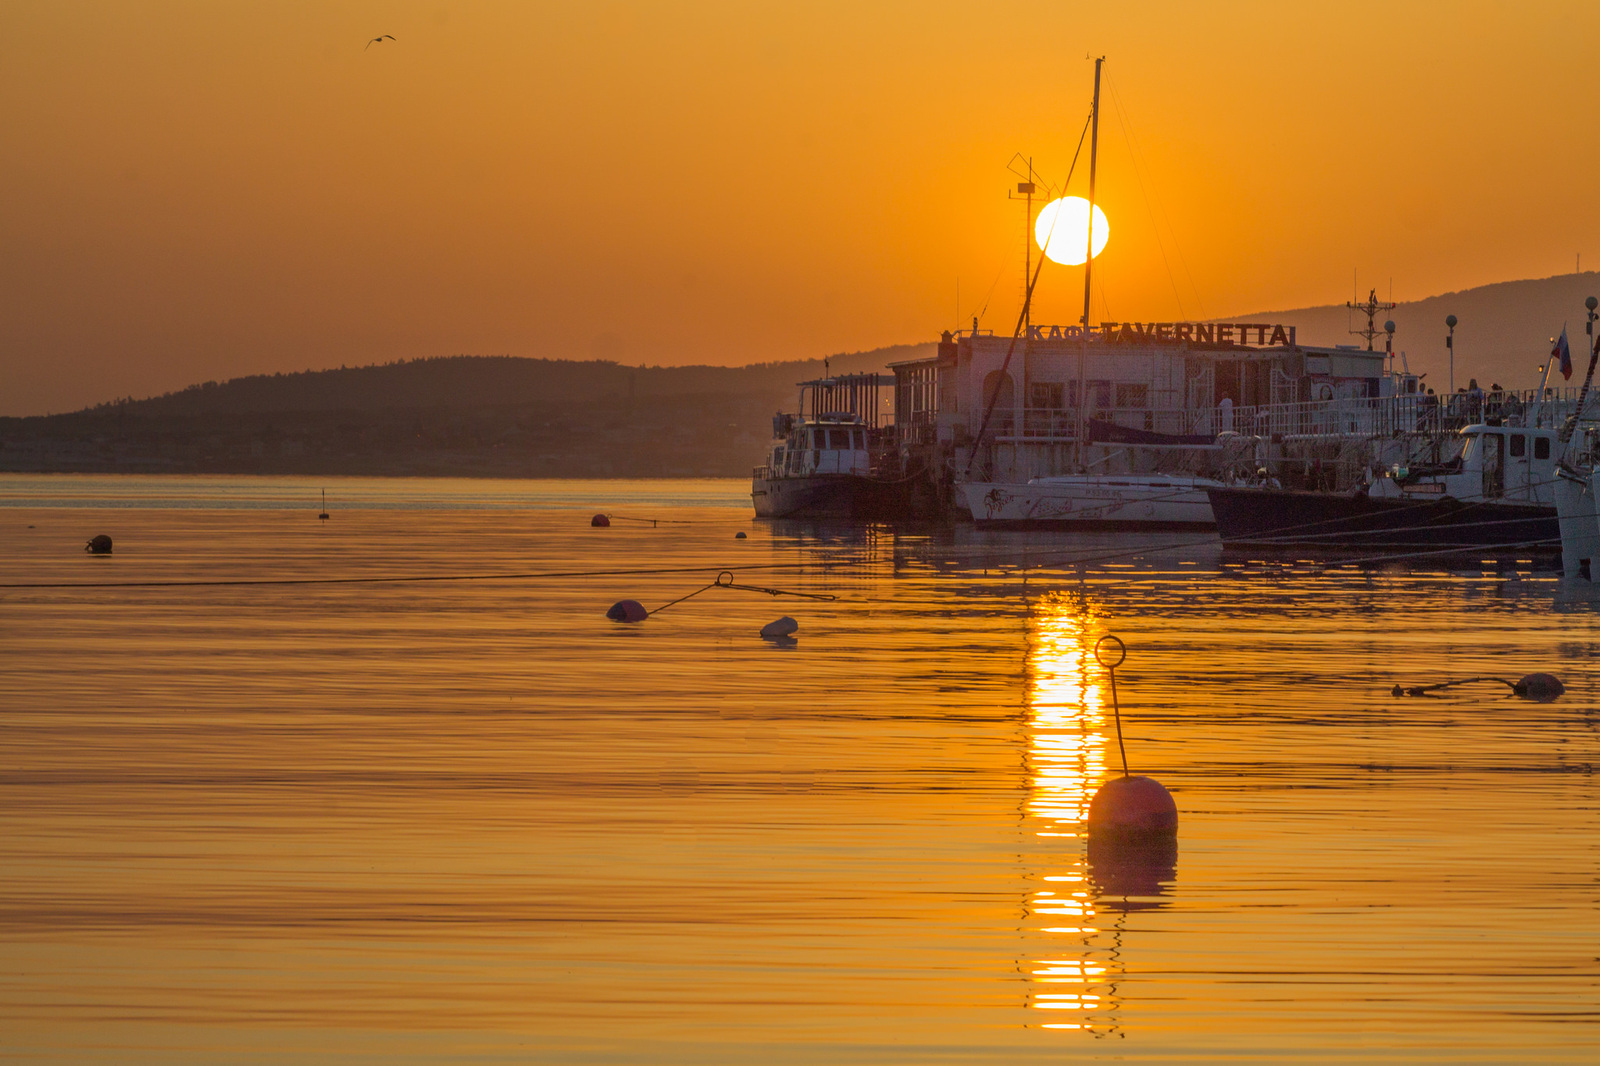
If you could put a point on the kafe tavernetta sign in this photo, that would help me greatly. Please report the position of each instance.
(1264, 334)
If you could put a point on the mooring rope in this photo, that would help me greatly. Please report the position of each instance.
(724, 580)
(384, 579)
(1423, 690)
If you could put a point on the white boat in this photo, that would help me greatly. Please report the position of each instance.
(824, 461)
(1149, 501)
(818, 468)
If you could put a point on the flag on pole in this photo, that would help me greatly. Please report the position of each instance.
(1563, 353)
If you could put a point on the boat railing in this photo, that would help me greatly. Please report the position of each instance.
(1344, 416)
(1060, 424)
(1387, 416)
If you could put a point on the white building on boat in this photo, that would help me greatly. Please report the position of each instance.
(1146, 388)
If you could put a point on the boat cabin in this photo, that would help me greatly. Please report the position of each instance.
(831, 444)
(1512, 463)
(834, 432)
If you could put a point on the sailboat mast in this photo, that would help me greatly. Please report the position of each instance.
(1088, 262)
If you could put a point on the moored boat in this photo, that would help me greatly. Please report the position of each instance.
(1497, 494)
(1144, 501)
(825, 461)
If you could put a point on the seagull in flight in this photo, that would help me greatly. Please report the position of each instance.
(381, 37)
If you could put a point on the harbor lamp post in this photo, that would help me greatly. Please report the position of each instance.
(1450, 343)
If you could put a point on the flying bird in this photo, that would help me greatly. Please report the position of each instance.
(375, 40)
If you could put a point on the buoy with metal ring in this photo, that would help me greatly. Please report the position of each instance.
(1129, 807)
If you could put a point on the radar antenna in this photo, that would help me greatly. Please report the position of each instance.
(1370, 309)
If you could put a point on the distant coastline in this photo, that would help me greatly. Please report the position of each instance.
(461, 416)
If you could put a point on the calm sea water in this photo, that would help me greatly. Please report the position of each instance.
(475, 821)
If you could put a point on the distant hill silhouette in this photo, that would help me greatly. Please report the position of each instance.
(1503, 333)
(487, 381)
(456, 415)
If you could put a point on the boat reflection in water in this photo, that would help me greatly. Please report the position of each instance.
(1068, 739)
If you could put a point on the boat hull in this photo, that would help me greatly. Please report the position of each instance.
(1284, 518)
(1104, 503)
(841, 496)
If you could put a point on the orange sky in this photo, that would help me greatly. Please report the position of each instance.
(198, 190)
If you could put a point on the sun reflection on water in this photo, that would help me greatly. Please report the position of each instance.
(1066, 762)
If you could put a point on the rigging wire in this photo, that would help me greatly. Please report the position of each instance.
(992, 286)
(1136, 153)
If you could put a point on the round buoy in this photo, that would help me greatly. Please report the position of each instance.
(739, 535)
(1540, 688)
(782, 627)
(627, 610)
(599, 520)
(1132, 806)
(100, 545)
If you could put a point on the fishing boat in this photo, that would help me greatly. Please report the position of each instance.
(1145, 501)
(1496, 493)
(825, 461)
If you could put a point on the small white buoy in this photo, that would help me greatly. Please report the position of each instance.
(780, 628)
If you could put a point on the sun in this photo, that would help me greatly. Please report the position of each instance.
(1063, 230)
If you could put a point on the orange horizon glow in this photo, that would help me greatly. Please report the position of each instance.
(200, 191)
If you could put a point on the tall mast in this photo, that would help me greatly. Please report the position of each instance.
(1026, 188)
(1088, 262)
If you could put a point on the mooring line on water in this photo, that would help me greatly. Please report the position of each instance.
(1082, 556)
(652, 521)
(1477, 550)
(724, 580)
(402, 578)
(1423, 690)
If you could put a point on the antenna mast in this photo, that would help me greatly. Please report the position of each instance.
(1370, 309)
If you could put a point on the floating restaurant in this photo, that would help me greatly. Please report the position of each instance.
(1011, 410)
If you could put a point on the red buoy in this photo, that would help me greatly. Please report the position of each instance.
(1540, 688)
(599, 520)
(627, 610)
(1132, 806)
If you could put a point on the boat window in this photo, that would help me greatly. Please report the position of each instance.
(1519, 445)
(839, 438)
(1133, 395)
(1045, 394)
(1541, 447)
